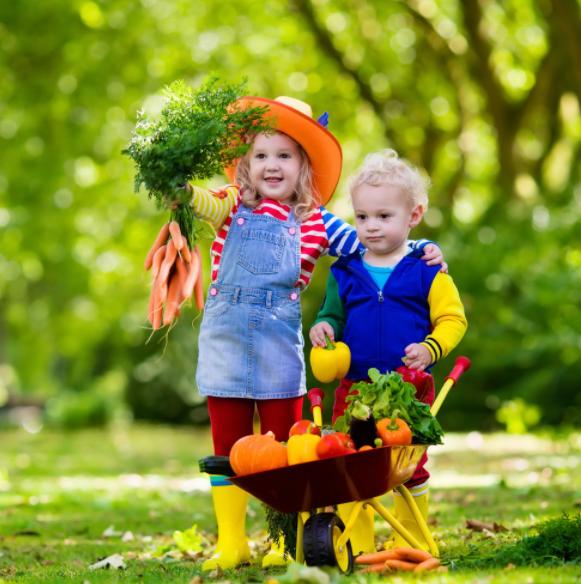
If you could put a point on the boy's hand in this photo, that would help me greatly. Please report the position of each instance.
(417, 356)
(433, 256)
(318, 332)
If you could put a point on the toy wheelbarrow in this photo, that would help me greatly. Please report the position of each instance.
(309, 487)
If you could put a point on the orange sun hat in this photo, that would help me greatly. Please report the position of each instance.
(294, 118)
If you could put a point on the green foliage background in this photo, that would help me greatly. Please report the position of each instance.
(484, 95)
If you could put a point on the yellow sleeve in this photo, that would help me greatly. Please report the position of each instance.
(214, 206)
(447, 316)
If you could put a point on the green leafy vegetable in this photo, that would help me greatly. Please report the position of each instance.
(386, 396)
(198, 133)
(284, 525)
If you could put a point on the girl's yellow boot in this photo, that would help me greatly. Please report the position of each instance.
(230, 509)
(275, 556)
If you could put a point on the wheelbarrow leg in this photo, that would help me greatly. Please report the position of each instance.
(302, 518)
(404, 492)
(397, 526)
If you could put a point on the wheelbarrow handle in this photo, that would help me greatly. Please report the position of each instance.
(461, 365)
(316, 396)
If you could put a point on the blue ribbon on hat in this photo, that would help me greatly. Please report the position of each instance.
(323, 119)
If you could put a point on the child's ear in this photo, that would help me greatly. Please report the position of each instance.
(416, 215)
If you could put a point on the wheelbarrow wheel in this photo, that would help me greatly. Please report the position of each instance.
(321, 534)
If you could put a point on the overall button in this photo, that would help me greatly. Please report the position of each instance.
(294, 296)
(240, 221)
(213, 291)
(292, 230)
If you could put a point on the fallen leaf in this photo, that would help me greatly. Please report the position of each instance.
(115, 562)
(110, 532)
(476, 525)
(128, 536)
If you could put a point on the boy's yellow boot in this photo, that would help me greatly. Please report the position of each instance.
(230, 509)
(404, 515)
(363, 531)
(275, 556)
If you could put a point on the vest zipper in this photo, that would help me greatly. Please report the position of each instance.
(380, 296)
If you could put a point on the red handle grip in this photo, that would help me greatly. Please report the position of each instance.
(316, 396)
(461, 365)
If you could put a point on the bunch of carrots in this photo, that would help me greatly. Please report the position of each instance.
(403, 558)
(177, 274)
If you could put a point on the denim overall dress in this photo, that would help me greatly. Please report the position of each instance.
(251, 342)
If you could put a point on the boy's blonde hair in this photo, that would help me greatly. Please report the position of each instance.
(304, 199)
(385, 167)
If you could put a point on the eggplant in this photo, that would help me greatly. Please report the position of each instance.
(363, 432)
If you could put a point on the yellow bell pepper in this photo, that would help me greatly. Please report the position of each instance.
(302, 448)
(330, 362)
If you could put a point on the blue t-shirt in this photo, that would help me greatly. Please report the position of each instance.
(380, 274)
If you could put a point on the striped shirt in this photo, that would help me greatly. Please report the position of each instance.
(321, 233)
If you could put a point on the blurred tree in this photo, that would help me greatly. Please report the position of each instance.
(484, 95)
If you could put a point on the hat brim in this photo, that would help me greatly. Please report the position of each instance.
(322, 148)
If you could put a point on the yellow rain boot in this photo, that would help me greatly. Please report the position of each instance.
(275, 556)
(230, 509)
(404, 515)
(363, 531)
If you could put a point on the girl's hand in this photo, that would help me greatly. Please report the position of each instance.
(417, 357)
(318, 332)
(433, 256)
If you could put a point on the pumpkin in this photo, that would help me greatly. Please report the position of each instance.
(256, 453)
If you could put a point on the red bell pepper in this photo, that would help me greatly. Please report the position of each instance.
(423, 382)
(336, 444)
(304, 427)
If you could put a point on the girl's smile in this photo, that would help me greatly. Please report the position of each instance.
(275, 163)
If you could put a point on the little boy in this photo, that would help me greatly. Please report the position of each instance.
(385, 303)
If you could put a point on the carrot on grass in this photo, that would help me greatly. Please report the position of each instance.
(371, 568)
(401, 565)
(159, 241)
(429, 564)
(376, 557)
(412, 554)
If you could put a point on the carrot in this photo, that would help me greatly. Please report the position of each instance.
(172, 298)
(168, 261)
(157, 259)
(159, 241)
(176, 235)
(401, 565)
(181, 274)
(199, 285)
(157, 308)
(376, 557)
(193, 273)
(413, 555)
(430, 564)
(379, 567)
(186, 253)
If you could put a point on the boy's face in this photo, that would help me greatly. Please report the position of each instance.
(384, 215)
(275, 163)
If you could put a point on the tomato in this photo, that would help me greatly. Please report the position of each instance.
(304, 427)
(336, 444)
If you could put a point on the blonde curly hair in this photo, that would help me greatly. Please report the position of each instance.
(386, 167)
(304, 200)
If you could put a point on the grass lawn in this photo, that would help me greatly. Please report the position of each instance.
(68, 500)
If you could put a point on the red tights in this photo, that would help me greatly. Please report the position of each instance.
(232, 418)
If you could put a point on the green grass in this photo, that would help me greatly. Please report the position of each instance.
(59, 492)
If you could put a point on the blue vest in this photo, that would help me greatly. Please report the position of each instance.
(381, 323)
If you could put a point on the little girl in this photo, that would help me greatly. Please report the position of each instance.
(271, 229)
